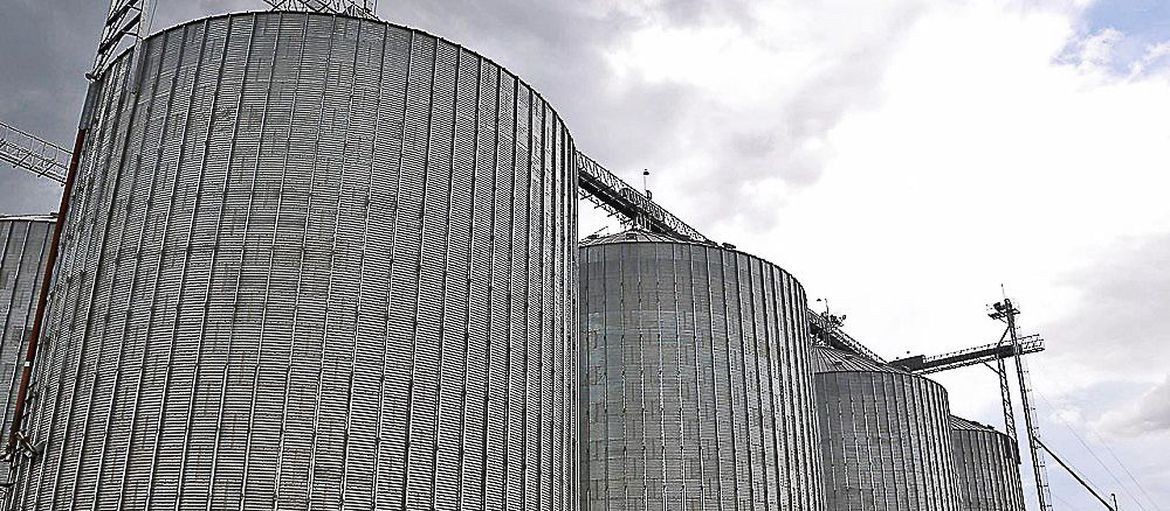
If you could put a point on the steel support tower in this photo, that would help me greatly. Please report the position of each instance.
(1006, 311)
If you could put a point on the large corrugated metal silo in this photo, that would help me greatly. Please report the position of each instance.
(315, 262)
(987, 468)
(696, 387)
(885, 436)
(24, 246)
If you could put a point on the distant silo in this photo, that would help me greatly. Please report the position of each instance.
(315, 262)
(24, 245)
(885, 436)
(696, 388)
(987, 468)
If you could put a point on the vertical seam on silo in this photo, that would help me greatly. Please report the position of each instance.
(162, 252)
(525, 374)
(625, 403)
(361, 275)
(471, 268)
(247, 455)
(679, 322)
(159, 428)
(490, 310)
(727, 366)
(689, 251)
(325, 337)
(508, 387)
(12, 301)
(774, 355)
(164, 138)
(558, 317)
(297, 294)
(390, 275)
(376, 470)
(14, 469)
(759, 420)
(793, 369)
(714, 376)
(658, 343)
(640, 291)
(409, 420)
(113, 394)
(211, 266)
(236, 287)
(291, 361)
(902, 453)
(445, 288)
(929, 437)
(544, 423)
(543, 433)
(894, 459)
(743, 380)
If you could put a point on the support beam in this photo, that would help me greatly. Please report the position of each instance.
(1081, 480)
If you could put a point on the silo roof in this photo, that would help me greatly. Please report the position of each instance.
(828, 360)
(632, 236)
(29, 218)
(969, 425)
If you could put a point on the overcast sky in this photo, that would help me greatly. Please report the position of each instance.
(902, 158)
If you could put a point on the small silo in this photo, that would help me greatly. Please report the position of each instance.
(987, 468)
(885, 436)
(24, 245)
(696, 385)
(311, 262)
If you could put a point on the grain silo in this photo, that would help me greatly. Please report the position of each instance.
(885, 436)
(24, 246)
(313, 262)
(696, 384)
(987, 468)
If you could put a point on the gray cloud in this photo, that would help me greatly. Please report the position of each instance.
(1120, 320)
(1151, 413)
(558, 47)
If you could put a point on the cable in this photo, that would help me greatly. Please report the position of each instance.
(1101, 441)
(1067, 504)
(1125, 468)
(1092, 453)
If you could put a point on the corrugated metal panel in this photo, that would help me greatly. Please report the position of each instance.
(987, 468)
(696, 390)
(24, 245)
(886, 437)
(317, 262)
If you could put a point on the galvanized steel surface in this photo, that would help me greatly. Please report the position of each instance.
(24, 245)
(316, 262)
(987, 468)
(696, 391)
(885, 436)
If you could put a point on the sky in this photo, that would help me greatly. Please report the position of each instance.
(911, 161)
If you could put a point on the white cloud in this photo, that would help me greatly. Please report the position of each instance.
(1148, 413)
(907, 160)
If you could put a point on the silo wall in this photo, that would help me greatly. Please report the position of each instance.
(885, 436)
(987, 468)
(696, 390)
(24, 245)
(312, 262)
